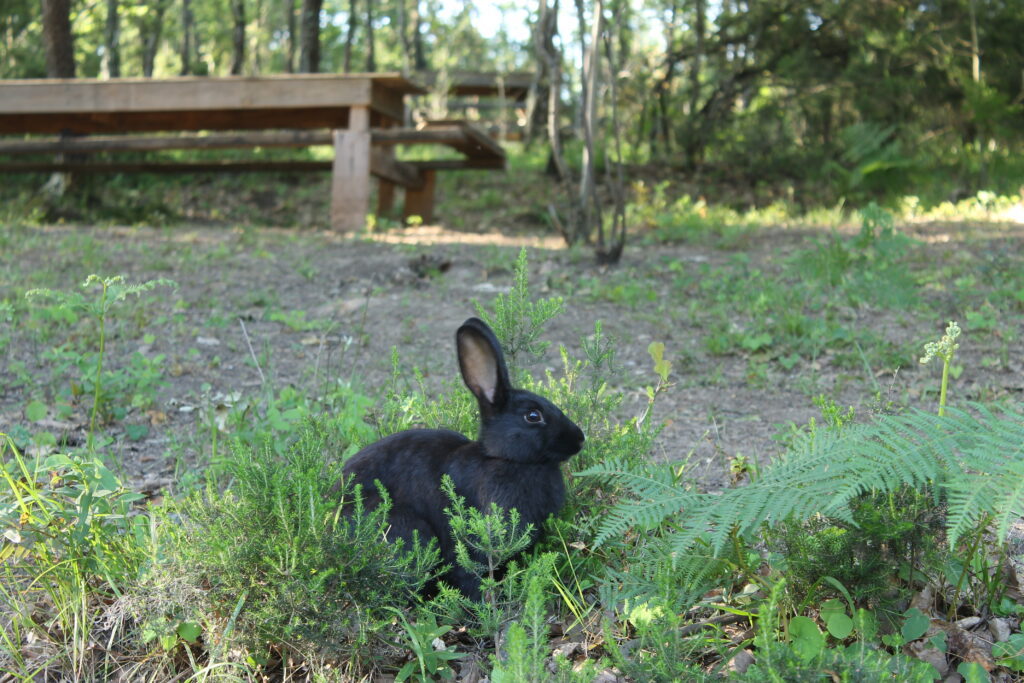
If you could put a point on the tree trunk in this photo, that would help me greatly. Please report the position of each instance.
(403, 34)
(289, 59)
(257, 51)
(187, 28)
(111, 66)
(57, 39)
(609, 251)
(371, 62)
(419, 61)
(151, 26)
(661, 130)
(537, 98)
(591, 208)
(350, 35)
(698, 30)
(309, 60)
(547, 29)
(975, 51)
(238, 37)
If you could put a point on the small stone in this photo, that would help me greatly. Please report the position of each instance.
(567, 650)
(1000, 629)
(931, 654)
(207, 341)
(741, 661)
(968, 623)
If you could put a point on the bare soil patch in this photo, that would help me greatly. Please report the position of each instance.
(313, 306)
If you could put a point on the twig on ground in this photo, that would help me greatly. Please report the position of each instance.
(252, 353)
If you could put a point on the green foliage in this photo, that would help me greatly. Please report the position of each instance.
(431, 657)
(278, 418)
(872, 161)
(494, 537)
(780, 662)
(891, 533)
(485, 544)
(518, 320)
(659, 651)
(805, 655)
(276, 560)
(112, 290)
(687, 220)
(824, 473)
(71, 546)
(1010, 653)
(869, 269)
(526, 648)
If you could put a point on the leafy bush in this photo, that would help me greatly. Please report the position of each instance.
(872, 161)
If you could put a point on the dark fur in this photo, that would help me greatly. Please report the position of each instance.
(514, 463)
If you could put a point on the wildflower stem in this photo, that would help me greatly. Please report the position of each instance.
(945, 383)
(99, 367)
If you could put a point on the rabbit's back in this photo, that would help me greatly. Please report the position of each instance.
(409, 464)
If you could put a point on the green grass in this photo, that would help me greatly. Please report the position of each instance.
(243, 569)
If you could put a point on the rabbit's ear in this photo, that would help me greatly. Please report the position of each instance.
(482, 365)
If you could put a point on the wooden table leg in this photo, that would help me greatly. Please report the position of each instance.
(350, 177)
(385, 197)
(421, 202)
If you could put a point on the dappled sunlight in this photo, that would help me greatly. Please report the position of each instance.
(439, 234)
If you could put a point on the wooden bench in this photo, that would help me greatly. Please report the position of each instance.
(359, 115)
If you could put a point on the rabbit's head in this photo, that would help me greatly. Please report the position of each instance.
(515, 425)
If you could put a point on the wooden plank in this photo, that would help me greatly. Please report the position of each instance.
(388, 102)
(177, 120)
(197, 103)
(128, 143)
(385, 197)
(165, 166)
(459, 164)
(284, 166)
(293, 91)
(450, 135)
(468, 83)
(384, 165)
(350, 175)
(476, 143)
(420, 202)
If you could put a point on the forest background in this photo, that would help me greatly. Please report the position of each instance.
(835, 100)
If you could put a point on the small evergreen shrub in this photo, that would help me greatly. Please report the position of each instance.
(890, 535)
(274, 560)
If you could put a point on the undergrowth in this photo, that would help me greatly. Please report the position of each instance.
(853, 556)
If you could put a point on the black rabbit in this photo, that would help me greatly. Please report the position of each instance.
(514, 462)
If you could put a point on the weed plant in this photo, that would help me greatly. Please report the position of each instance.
(111, 290)
(71, 547)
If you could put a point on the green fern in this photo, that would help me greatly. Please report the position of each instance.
(974, 457)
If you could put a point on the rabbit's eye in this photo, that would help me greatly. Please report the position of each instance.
(534, 416)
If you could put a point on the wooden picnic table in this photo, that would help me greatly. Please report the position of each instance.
(361, 115)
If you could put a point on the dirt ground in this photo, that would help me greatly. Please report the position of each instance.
(411, 288)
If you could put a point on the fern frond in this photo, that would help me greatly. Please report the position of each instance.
(975, 456)
(655, 490)
(993, 479)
